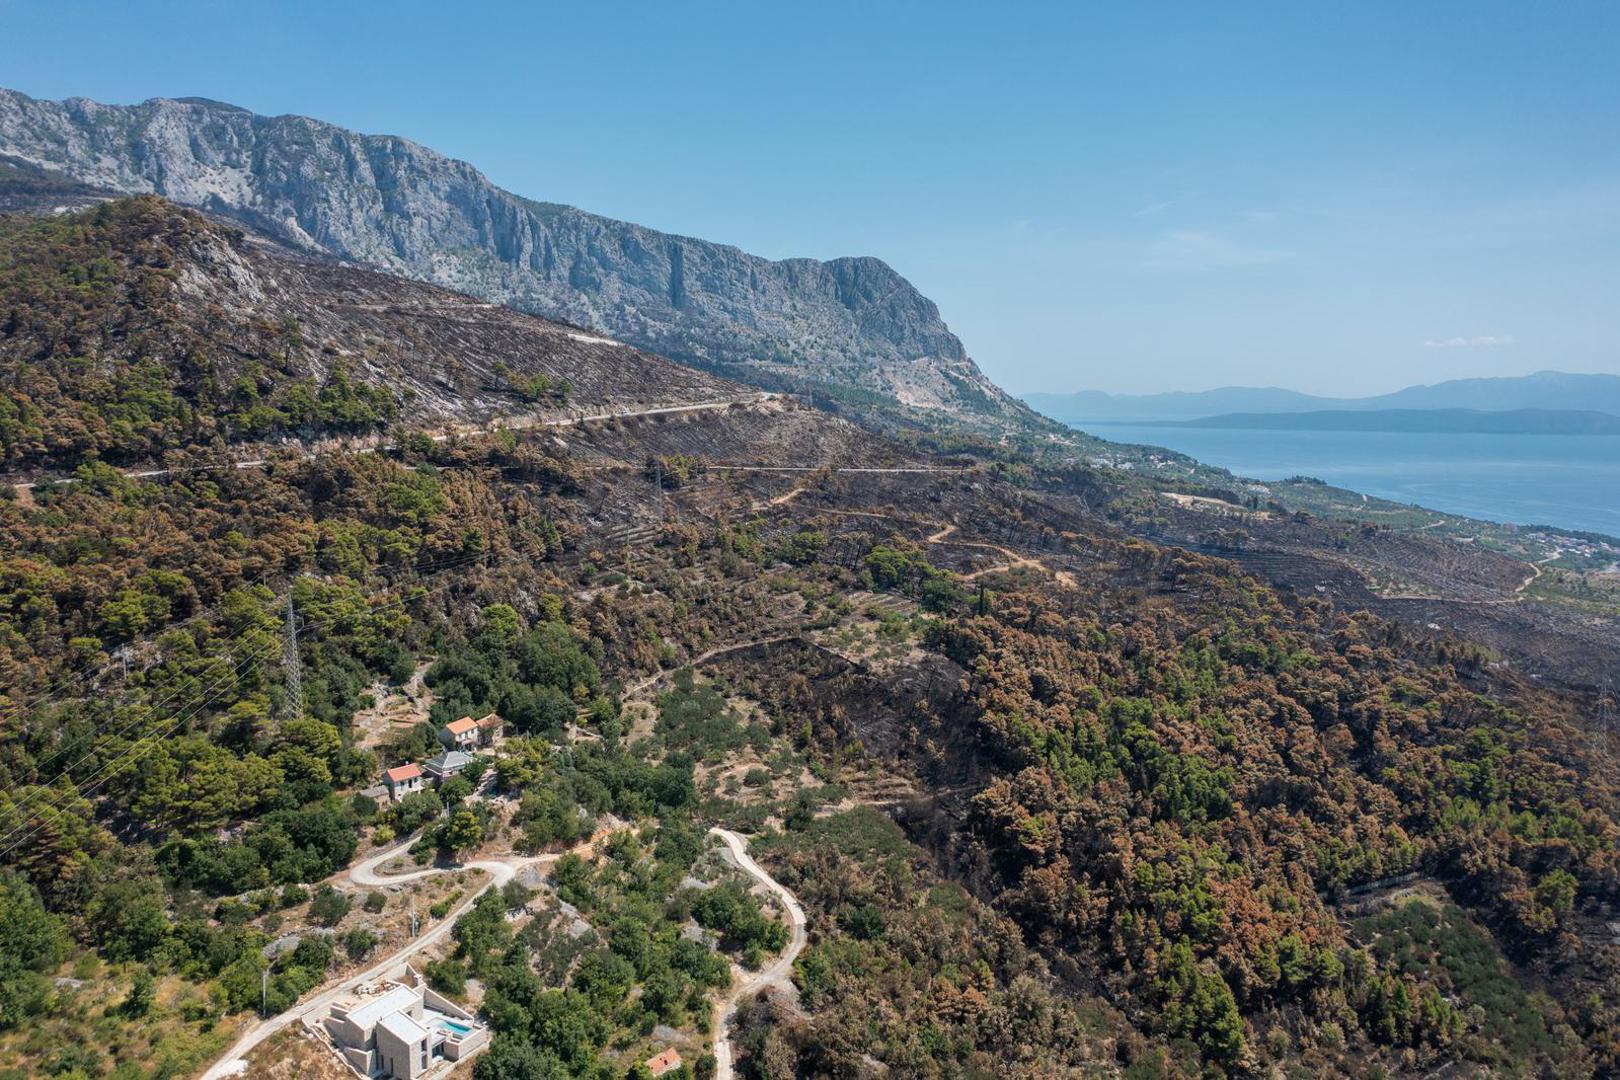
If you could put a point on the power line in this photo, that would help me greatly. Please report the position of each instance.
(39, 767)
(139, 745)
(58, 805)
(294, 705)
(122, 653)
(441, 565)
(215, 689)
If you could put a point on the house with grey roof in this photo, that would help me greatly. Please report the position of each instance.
(442, 766)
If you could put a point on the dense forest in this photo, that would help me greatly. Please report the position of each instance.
(1101, 808)
(1178, 789)
(1193, 796)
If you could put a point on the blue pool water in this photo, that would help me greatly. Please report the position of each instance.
(1570, 481)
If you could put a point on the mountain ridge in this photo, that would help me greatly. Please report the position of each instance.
(847, 328)
(139, 327)
(1546, 389)
(1418, 421)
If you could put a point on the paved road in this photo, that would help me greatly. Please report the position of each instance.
(777, 973)
(365, 872)
(500, 871)
(516, 423)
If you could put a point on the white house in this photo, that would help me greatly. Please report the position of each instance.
(403, 780)
(460, 734)
(468, 734)
(401, 1028)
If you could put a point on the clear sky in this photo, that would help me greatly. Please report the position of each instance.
(1339, 198)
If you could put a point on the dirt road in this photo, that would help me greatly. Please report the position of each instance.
(777, 973)
(501, 870)
(516, 423)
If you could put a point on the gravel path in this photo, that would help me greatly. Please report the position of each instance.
(778, 973)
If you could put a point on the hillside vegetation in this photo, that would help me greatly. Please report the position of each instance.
(1057, 801)
(137, 327)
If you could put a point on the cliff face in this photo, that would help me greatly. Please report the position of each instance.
(849, 327)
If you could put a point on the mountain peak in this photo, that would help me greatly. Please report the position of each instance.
(848, 328)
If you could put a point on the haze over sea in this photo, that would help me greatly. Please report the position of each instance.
(1570, 481)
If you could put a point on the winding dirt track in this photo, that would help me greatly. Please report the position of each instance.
(944, 533)
(777, 973)
(234, 1060)
(636, 689)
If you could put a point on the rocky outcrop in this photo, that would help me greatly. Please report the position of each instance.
(847, 327)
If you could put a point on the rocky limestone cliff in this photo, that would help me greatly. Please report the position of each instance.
(847, 328)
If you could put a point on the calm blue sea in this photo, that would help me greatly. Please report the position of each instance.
(1571, 481)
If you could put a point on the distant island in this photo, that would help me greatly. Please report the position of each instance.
(1417, 421)
(1552, 390)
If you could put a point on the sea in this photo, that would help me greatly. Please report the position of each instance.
(1568, 481)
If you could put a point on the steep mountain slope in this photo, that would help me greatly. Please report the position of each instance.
(1149, 815)
(26, 188)
(847, 328)
(140, 327)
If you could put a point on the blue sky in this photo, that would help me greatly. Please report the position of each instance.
(1339, 198)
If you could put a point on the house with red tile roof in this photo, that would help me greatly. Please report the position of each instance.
(490, 729)
(468, 734)
(402, 780)
(460, 734)
(666, 1061)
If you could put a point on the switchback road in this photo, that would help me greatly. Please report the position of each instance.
(777, 973)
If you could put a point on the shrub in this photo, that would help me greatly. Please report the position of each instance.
(359, 942)
(447, 976)
(329, 906)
